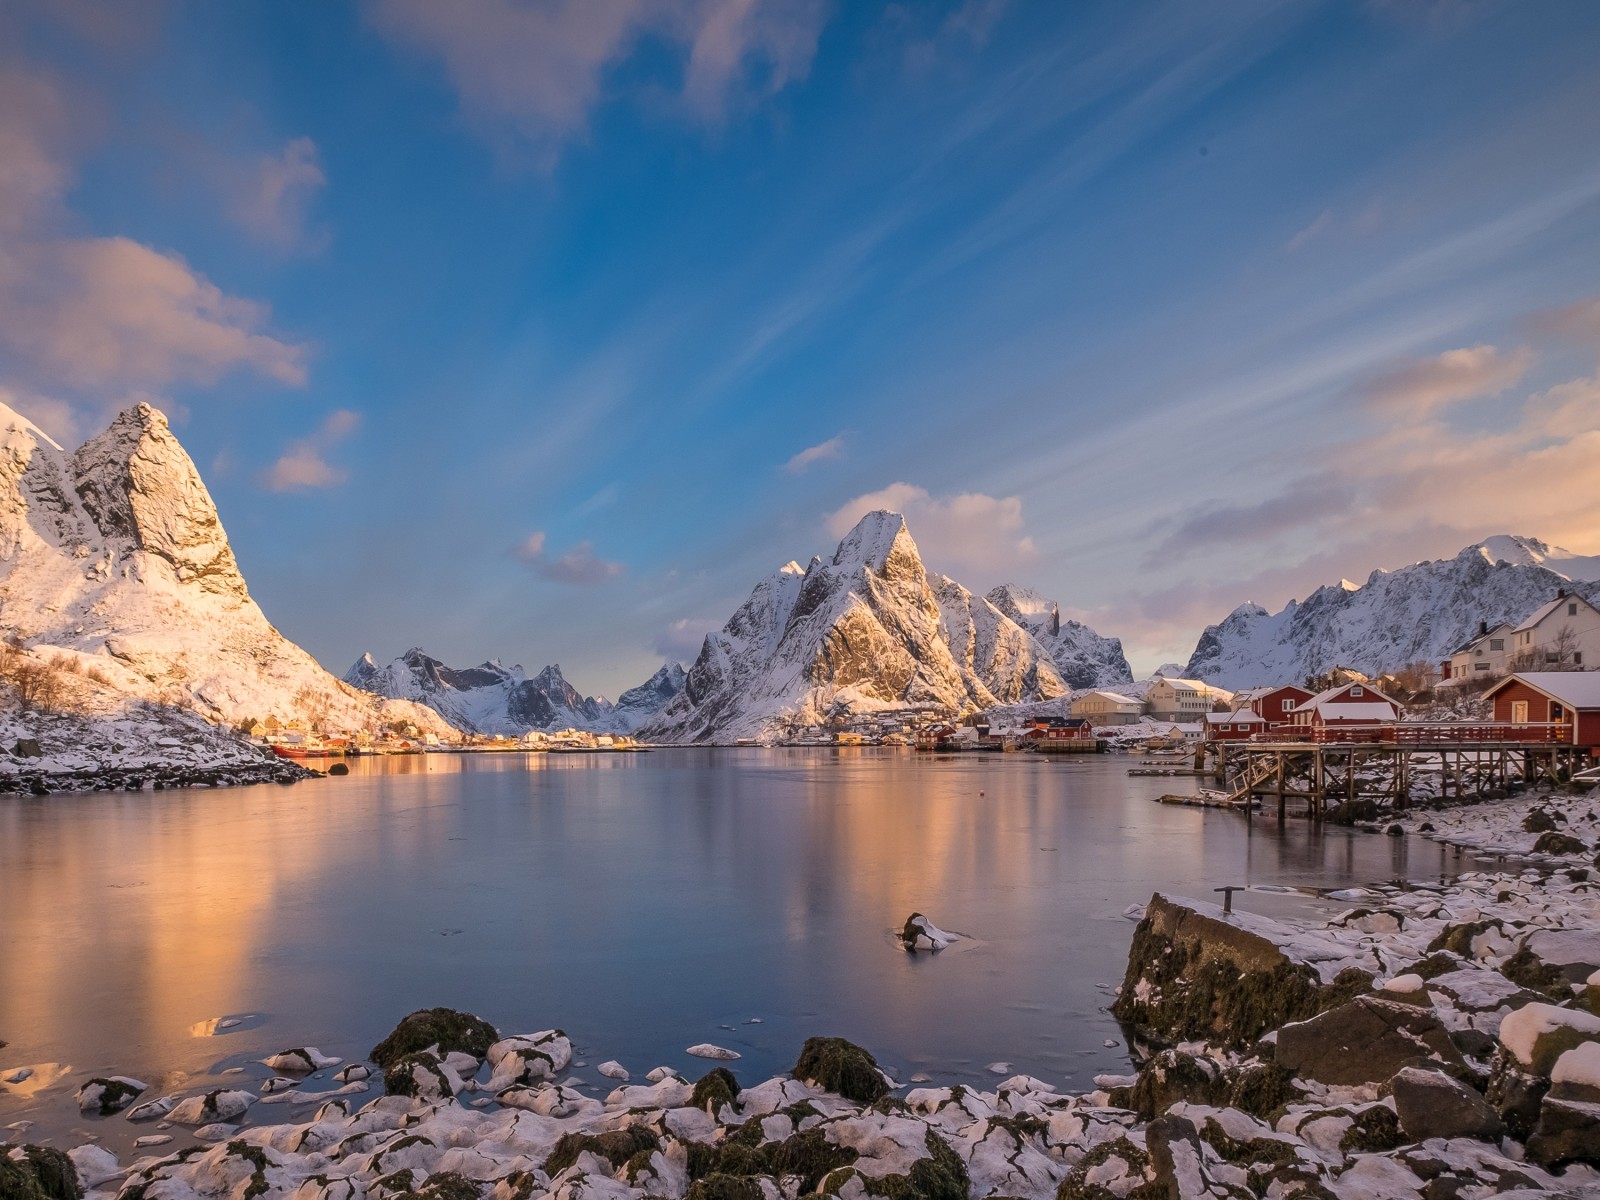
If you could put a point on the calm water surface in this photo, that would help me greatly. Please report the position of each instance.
(643, 903)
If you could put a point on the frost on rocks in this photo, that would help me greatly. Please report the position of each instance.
(707, 1050)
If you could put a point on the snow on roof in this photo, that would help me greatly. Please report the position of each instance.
(1370, 710)
(1544, 610)
(1322, 699)
(1578, 689)
(1242, 716)
(1113, 696)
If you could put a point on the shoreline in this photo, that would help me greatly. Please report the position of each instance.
(1204, 1081)
(155, 777)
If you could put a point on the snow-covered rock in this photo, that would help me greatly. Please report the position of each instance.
(864, 631)
(115, 571)
(1423, 611)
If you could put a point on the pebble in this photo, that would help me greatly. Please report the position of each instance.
(999, 1068)
(152, 1139)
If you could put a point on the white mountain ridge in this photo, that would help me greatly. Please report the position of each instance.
(496, 699)
(1422, 611)
(114, 558)
(867, 630)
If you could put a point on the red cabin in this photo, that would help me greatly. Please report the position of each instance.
(1274, 705)
(1351, 704)
(1568, 699)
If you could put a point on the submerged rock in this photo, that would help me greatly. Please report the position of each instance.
(106, 1096)
(841, 1067)
(919, 933)
(443, 1030)
(707, 1050)
(300, 1061)
(211, 1108)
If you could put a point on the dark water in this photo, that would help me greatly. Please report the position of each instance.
(640, 902)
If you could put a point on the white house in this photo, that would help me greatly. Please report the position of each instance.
(1486, 655)
(1563, 635)
(1107, 708)
(1186, 700)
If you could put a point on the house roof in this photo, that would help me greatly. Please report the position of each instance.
(1494, 631)
(1113, 696)
(1576, 689)
(1241, 716)
(1358, 710)
(1544, 610)
(1322, 699)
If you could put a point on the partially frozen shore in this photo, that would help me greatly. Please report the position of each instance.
(1431, 1040)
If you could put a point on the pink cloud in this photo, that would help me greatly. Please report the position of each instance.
(303, 466)
(971, 536)
(1428, 383)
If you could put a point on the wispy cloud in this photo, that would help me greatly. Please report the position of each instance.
(303, 466)
(1423, 385)
(969, 534)
(1576, 322)
(812, 455)
(580, 565)
(270, 195)
(538, 70)
(681, 640)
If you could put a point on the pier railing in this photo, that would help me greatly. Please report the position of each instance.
(1425, 733)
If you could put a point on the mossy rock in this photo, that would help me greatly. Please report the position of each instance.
(1538, 821)
(714, 1089)
(115, 1095)
(1171, 1076)
(1440, 962)
(401, 1079)
(446, 1185)
(1077, 1187)
(445, 1028)
(1266, 1152)
(1376, 1129)
(257, 1158)
(1263, 1090)
(842, 1068)
(811, 1156)
(1458, 939)
(43, 1173)
(725, 1187)
(1556, 842)
(1526, 969)
(616, 1146)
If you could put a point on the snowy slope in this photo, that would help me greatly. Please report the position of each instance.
(1082, 657)
(1423, 611)
(495, 699)
(116, 555)
(865, 630)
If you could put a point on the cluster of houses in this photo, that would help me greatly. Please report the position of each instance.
(294, 740)
(1563, 635)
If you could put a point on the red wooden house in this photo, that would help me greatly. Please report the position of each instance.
(1569, 699)
(1350, 704)
(1274, 705)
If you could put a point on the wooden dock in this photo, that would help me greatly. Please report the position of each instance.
(1384, 765)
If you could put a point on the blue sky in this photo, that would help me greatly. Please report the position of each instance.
(541, 331)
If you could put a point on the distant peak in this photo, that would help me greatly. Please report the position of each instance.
(11, 419)
(874, 540)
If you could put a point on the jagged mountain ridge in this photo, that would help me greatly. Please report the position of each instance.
(868, 629)
(1082, 657)
(114, 556)
(495, 699)
(1422, 611)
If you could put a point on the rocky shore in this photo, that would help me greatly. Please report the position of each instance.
(154, 776)
(1437, 1040)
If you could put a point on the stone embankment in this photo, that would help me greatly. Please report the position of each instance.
(1439, 1042)
(156, 777)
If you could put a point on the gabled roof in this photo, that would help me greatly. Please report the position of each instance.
(1327, 697)
(1502, 628)
(1118, 697)
(1575, 689)
(1357, 710)
(1544, 610)
(1239, 716)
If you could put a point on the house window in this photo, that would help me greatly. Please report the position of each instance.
(1480, 666)
(1497, 643)
(1226, 728)
(1288, 705)
(1577, 658)
(1356, 691)
(1572, 610)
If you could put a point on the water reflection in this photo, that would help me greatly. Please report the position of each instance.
(642, 902)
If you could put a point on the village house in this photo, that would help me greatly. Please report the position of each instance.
(1483, 656)
(1567, 699)
(1183, 700)
(1059, 734)
(1346, 705)
(1236, 726)
(1107, 708)
(1563, 635)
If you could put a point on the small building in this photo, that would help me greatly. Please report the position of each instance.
(1107, 708)
(1567, 699)
(1484, 655)
(1563, 635)
(1346, 705)
(1058, 734)
(1236, 726)
(1184, 700)
(846, 737)
(1274, 705)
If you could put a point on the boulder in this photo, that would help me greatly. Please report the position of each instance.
(1568, 1132)
(440, 1029)
(1431, 1104)
(302, 1060)
(1366, 1040)
(210, 1108)
(1177, 1164)
(1195, 975)
(1576, 1075)
(27, 748)
(1573, 954)
(841, 1067)
(919, 933)
(1556, 842)
(421, 1075)
(106, 1096)
(528, 1058)
(38, 1173)
(1536, 1035)
(714, 1089)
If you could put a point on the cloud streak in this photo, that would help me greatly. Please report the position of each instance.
(303, 466)
(967, 535)
(812, 455)
(1422, 385)
(579, 566)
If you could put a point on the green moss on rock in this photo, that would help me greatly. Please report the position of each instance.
(1526, 969)
(714, 1089)
(446, 1028)
(841, 1067)
(1376, 1129)
(616, 1146)
(43, 1173)
(725, 1187)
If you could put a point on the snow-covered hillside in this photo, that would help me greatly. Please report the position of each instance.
(496, 699)
(1082, 657)
(1423, 611)
(866, 630)
(114, 558)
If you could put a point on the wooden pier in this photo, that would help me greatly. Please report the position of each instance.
(1383, 764)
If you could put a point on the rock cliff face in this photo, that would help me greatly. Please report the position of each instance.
(1081, 656)
(866, 630)
(115, 558)
(1424, 611)
(495, 699)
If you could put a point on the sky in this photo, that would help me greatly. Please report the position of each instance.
(541, 330)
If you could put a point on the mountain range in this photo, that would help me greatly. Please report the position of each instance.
(1422, 611)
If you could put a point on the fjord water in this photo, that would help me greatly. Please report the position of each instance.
(643, 903)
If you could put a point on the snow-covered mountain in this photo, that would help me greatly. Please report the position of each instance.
(492, 698)
(1082, 657)
(1423, 611)
(113, 561)
(866, 630)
